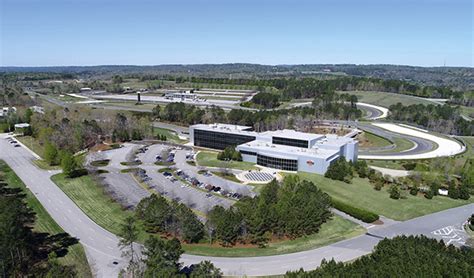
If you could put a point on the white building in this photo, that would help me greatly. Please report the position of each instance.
(6, 111)
(181, 95)
(282, 149)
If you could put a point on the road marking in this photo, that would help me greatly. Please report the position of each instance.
(451, 234)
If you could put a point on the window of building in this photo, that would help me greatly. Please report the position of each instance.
(219, 140)
(277, 163)
(248, 153)
(290, 142)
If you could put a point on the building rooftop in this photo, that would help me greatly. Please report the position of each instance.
(293, 134)
(289, 151)
(227, 128)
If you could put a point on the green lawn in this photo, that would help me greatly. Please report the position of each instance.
(170, 135)
(230, 177)
(371, 140)
(386, 99)
(44, 223)
(334, 230)
(92, 199)
(467, 111)
(32, 144)
(361, 194)
(209, 159)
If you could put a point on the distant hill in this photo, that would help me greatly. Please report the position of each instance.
(461, 78)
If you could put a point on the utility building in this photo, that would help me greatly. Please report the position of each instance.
(281, 149)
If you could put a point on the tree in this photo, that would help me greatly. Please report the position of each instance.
(156, 111)
(452, 190)
(68, 164)
(162, 257)
(50, 154)
(205, 269)
(23, 251)
(395, 192)
(463, 192)
(117, 79)
(340, 170)
(390, 257)
(129, 234)
(28, 114)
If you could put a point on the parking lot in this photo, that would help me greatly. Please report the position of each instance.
(172, 183)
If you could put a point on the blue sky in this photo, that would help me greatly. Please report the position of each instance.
(98, 32)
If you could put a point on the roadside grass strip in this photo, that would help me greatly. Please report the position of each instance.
(45, 223)
(334, 230)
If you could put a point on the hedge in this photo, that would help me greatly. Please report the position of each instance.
(361, 214)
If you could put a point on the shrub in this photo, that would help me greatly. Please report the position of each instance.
(395, 192)
(230, 153)
(429, 195)
(361, 214)
(340, 170)
(414, 190)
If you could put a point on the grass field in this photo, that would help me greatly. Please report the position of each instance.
(361, 194)
(209, 159)
(467, 111)
(88, 196)
(44, 223)
(230, 177)
(91, 199)
(334, 230)
(32, 144)
(386, 99)
(370, 140)
(170, 135)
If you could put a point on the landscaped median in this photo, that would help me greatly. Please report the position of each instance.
(92, 199)
(44, 223)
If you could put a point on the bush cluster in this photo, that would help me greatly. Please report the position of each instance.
(230, 153)
(361, 214)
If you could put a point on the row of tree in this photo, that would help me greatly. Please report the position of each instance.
(161, 216)
(157, 257)
(310, 87)
(402, 256)
(292, 209)
(73, 130)
(25, 252)
(441, 118)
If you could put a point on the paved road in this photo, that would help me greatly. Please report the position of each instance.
(101, 245)
(430, 225)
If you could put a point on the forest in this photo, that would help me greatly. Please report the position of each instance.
(441, 118)
(402, 256)
(25, 252)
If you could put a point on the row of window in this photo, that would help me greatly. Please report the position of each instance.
(219, 140)
(290, 142)
(277, 163)
(248, 153)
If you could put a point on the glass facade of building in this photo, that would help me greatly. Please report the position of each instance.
(219, 140)
(248, 153)
(290, 142)
(277, 163)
